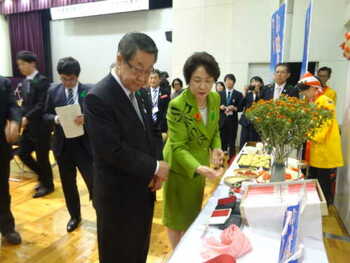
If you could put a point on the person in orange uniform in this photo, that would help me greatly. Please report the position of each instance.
(324, 74)
(325, 147)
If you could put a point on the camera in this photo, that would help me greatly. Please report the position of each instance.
(251, 88)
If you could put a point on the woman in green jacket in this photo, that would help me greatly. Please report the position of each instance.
(193, 129)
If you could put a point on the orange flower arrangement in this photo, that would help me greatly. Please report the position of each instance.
(283, 124)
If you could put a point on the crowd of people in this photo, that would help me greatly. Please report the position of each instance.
(140, 131)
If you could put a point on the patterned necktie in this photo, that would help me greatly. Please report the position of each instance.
(70, 98)
(136, 106)
(155, 104)
(228, 98)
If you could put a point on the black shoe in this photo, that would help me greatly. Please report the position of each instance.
(73, 224)
(37, 187)
(42, 191)
(13, 238)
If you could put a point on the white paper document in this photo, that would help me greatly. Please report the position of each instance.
(67, 115)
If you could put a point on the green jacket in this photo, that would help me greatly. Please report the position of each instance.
(189, 139)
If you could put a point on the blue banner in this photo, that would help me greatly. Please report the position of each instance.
(304, 65)
(277, 36)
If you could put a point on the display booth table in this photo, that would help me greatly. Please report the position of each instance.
(265, 238)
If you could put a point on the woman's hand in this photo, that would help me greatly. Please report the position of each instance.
(207, 172)
(217, 157)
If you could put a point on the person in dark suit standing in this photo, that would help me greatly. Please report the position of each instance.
(36, 132)
(280, 85)
(231, 101)
(127, 170)
(251, 94)
(10, 117)
(157, 99)
(73, 153)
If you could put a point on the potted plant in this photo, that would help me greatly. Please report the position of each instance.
(285, 124)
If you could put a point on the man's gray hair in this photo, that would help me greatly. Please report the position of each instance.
(134, 41)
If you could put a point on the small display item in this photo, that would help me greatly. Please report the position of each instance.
(219, 216)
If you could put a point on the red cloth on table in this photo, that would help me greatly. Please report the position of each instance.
(222, 259)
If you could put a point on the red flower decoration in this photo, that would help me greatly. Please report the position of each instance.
(198, 116)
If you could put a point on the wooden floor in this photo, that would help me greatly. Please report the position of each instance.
(42, 224)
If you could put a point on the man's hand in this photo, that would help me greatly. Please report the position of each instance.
(164, 136)
(245, 90)
(24, 123)
(163, 171)
(156, 184)
(160, 177)
(223, 107)
(231, 108)
(11, 132)
(79, 120)
(207, 172)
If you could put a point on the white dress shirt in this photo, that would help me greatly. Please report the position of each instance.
(204, 114)
(75, 93)
(154, 92)
(128, 92)
(75, 97)
(32, 76)
(231, 93)
(278, 90)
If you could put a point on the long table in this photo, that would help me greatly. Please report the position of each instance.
(265, 244)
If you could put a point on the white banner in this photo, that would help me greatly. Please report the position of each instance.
(98, 8)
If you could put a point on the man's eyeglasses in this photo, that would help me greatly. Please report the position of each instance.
(139, 71)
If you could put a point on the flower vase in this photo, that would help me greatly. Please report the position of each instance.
(279, 164)
(277, 172)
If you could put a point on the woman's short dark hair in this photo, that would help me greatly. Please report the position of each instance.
(68, 66)
(179, 80)
(257, 78)
(201, 59)
(221, 83)
(27, 56)
(131, 42)
(231, 77)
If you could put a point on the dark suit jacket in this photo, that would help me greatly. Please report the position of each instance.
(163, 103)
(122, 147)
(246, 103)
(34, 103)
(9, 109)
(267, 91)
(56, 97)
(236, 100)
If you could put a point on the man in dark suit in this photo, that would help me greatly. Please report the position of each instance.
(10, 117)
(280, 85)
(231, 101)
(71, 153)
(36, 132)
(157, 99)
(127, 171)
